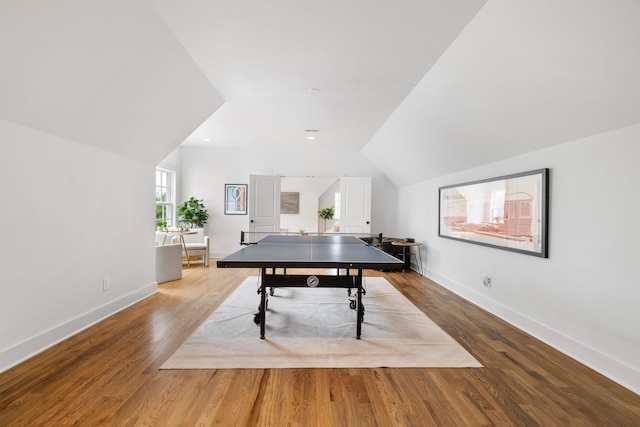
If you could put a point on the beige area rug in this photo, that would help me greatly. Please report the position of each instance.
(315, 328)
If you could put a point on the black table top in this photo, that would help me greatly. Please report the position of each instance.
(298, 251)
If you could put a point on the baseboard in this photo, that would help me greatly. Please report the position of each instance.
(623, 374)
(218, 255)
(17, 354)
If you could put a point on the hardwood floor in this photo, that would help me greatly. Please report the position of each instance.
(108, 375)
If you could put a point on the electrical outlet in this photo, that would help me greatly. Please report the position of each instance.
(486, 280)
(106, 283)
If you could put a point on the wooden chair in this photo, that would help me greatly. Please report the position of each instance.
(197, 245)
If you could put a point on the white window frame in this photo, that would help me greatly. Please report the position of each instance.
(169, 205)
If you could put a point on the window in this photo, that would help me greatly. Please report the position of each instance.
(165, 197)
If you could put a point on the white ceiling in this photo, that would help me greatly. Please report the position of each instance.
(522, 76)
(364, 56)
(108, 74)
(426, 87)
(423, 88)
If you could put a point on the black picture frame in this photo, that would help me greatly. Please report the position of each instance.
(509, 212)
(235, 199)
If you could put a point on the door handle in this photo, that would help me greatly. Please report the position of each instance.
(251, 221)
(367, 222)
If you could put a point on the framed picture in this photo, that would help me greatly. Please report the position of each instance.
(508, 212)
(235, 199)
(289, 203)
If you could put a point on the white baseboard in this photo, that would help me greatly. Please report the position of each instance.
(219, 255)
(17, 354)
(623, 374)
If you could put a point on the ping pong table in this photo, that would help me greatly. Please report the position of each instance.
(347, 254)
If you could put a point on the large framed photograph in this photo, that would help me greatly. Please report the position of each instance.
(508, 212)
(235, 199)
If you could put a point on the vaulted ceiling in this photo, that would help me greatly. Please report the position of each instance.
(104, 73)
(522, 76)
(423, 88)
(338, 68)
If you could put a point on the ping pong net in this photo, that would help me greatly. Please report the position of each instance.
(253, 237)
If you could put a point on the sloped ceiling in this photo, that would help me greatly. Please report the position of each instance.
(423, 88)
(103, 73)
(522, 76)
(266, 57)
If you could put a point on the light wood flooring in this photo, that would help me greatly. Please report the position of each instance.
(108, 375)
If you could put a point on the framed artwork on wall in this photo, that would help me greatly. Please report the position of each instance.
(289, 203)
(235, 199)
(508, 212)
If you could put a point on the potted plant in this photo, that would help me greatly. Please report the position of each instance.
(326, 214)
(161, 225)
(192, 213)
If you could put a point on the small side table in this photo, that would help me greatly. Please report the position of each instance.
(182, 242)
(406, 254)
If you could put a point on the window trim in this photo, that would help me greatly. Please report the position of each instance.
(171, 204)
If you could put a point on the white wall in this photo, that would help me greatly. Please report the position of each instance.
(71, 215)
(584, 298)
(206, 170)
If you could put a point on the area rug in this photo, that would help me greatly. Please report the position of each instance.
(316, 328)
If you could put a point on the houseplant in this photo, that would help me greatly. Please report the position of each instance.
(192, 213)
(326, 214)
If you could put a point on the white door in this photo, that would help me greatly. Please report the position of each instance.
(355, 205)
(264, 209)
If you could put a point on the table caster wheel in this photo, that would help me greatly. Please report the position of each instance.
(352, 304)
(256, 318)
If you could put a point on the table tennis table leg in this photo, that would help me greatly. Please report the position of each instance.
(360, 313)
(263, 303)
